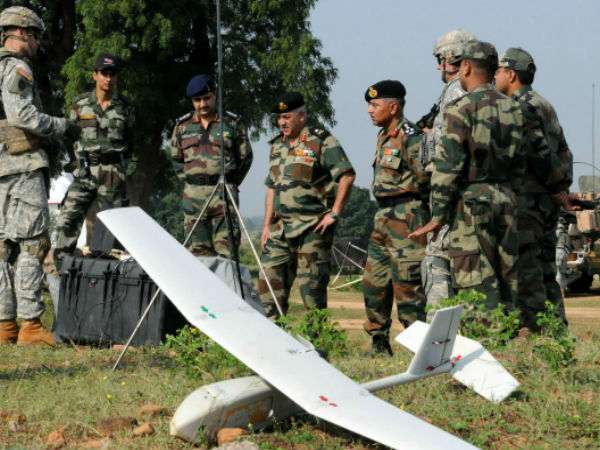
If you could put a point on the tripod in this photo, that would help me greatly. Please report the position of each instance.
(227, 200)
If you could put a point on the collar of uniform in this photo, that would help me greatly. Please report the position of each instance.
(304, 132)
(196, 118)
(483, 87)
(522, 91)
(114, 99)
(396, 130)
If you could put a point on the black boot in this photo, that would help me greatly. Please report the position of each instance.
(380, 346)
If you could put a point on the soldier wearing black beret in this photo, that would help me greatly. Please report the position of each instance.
(302, 206)
(400, 185)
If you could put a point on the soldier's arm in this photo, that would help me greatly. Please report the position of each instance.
(544, 162)
(132, 151)
(177, 153)
(244, 152)
(269, 213)
(18, 102)
(449, 167)
(413, 144)
(334, 159)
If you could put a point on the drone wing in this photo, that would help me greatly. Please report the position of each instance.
(300, 373)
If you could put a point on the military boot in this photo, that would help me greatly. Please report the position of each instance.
(33, 333)
(380, 346)
(9, 331)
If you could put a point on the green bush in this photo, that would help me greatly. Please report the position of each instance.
(556, 344)
(492, 328)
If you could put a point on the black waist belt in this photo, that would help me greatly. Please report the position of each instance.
(96, 159)
(202, 180)
(387, 202)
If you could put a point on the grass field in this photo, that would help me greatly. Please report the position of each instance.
(67, 392)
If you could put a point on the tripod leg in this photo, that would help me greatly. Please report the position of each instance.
(260, 266)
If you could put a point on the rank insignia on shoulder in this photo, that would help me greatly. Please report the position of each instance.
(25, 73)
(231, 115)
(408, 129)
(184, 117)
(321, 133)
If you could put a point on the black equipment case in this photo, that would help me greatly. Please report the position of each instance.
(101, 301)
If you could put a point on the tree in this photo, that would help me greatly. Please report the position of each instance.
(356, 220)
(267, 48)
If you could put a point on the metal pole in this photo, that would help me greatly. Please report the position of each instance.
(254, 252)
(593, 136)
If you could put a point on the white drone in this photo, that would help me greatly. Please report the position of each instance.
(292, 376)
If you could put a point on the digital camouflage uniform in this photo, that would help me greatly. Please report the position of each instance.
(103, 152)
(196, 156)
(303, 178)
(563, 249)
(393, 268)
(24, 217)
(435, 268)
(546, 174)
(474, 187)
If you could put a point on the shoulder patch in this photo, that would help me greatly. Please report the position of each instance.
(184, 117)
(25, 73)
(320, 133)
(275, 138)
(231, 115)
(409, 129)
(124, 99)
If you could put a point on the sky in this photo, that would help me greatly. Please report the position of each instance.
(369, 41)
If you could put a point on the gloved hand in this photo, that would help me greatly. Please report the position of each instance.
(73, 131)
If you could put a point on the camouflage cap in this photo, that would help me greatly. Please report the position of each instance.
(19, 16)
(476, 50)
(450, 44)
(517, 59)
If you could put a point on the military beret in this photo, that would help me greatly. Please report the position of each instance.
(200, 85)
(517, 59)
(476, 50)
(385, 89)
(106, 61)
(288, 101)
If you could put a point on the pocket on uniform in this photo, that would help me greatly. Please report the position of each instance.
(465, 267)
(390, 162)
(89, 128)
(409, 271)
(303, 168)
(116, 127)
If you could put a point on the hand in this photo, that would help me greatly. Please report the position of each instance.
(565, 199)
(430, 226)
(73, 130)
(325, 222)
(426, 130)
(264, 237)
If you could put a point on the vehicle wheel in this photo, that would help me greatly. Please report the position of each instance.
(581, 284)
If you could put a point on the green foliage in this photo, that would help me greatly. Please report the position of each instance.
(492, 328)
(203, 358)
(356, 219)
(556, 344)
(325, 334)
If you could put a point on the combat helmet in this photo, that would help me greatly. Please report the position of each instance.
(19, 16)
(450, 44)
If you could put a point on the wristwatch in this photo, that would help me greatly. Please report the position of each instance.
(333, 215)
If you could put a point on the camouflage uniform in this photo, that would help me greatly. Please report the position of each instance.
(303, 178)
(196, 156)
(473, 189)
(400, 187)
(24, 217)
(435, 268)
(103, 152)
(546, 174)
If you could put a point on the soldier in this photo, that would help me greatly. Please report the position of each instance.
(401, 188)
(24, 217)
(104, 154)
(435, 269)
(302, 206)
(545, 187)
(196, 156)
(474, 182)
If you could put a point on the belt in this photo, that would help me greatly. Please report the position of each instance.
(387, 202)
(95, 159)
(202, 180)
